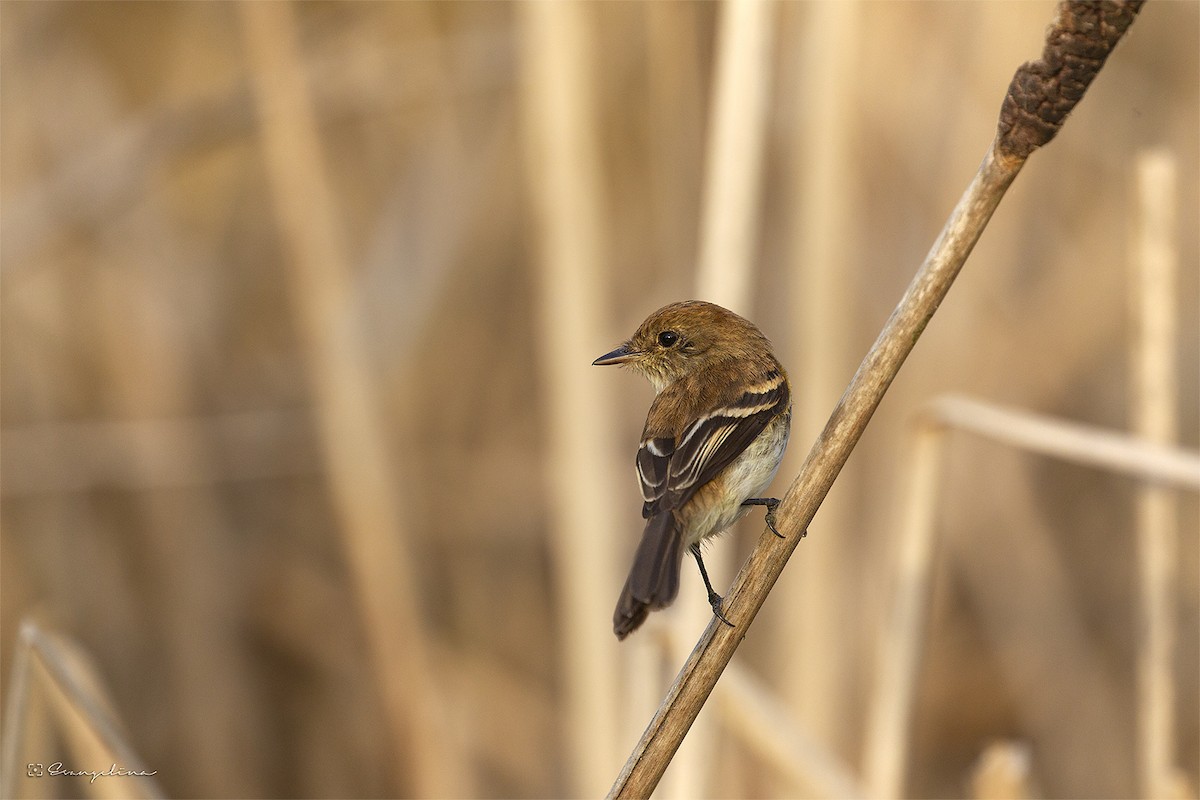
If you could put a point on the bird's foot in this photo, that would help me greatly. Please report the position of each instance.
(714, 600)
(771, 503)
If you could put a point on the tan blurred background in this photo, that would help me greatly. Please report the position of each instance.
(281, 440)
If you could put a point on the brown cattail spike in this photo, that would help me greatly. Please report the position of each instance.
(1044, 92)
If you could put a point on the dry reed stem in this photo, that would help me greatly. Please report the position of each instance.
(850, 417)
(885, 750)
(1155, 417)
(179, 531)
(1087, 445)
(823, 253)
(752, 711)
(733, 161)
(80, 703)
(887, 744)
(363, 481)
(1018, 135)
(580, 465)
(725, 270)
(16, 712)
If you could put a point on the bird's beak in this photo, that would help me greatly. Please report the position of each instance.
(621, 355)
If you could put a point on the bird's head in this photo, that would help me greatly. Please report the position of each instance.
(683, 338)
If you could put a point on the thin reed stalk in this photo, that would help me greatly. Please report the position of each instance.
(903, 634)
(83, 712)
(1075, 442)
(752, 711)
(580, 465)
(1155, 417)
(363, 479)
(725, 269)
(733, 161)
(822, 256)
(1038, 101)
(825, 460)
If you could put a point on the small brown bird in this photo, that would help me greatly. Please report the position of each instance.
(713, 440)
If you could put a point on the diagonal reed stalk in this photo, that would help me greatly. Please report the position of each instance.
(62, 671)
(1040, 97)
(364, 480)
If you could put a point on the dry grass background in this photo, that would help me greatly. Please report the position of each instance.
(178, 493)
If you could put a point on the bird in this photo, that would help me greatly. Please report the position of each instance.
(713, 440)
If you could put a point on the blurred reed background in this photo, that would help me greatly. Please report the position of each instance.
(301, 444)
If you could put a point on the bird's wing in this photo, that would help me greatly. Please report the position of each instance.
(671, 469)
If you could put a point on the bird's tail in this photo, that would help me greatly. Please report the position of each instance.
(653, 581)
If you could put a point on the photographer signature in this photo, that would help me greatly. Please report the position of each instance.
(57, 768)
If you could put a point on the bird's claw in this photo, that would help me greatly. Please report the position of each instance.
(771, 503)
(771, 521)
(714, 600)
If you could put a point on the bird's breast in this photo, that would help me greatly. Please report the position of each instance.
(718, 504)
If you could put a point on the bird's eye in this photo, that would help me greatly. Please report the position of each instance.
(668, 338)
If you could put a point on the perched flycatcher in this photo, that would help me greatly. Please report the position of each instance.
(713, 441)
